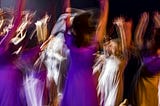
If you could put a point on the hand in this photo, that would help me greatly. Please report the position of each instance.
(46, 18)
(18, 38)
(156, 19)
(124, 103)
(141, 29)
(144, 17)
(68, 21)
(119, 21)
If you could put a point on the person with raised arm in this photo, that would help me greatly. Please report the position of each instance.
(80, 89)
(146, 83)
(110, 82)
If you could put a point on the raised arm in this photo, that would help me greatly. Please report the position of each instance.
(141, 29)
(156, 19)
(120, 22)
(42, 29)
(128, 31)
(22, 29)
(101, 30)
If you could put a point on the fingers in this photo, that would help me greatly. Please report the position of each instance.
(119, 21)
(156, 19)
(124, 103)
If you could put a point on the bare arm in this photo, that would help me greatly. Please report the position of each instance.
(156, 19)
(101, 30)
(141, 29)
(120, 22)
(128, 30)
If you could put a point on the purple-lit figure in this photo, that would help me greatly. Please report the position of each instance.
(10, 76)
(80, 89)
(10, 81)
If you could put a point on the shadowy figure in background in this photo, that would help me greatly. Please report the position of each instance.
(146, 82)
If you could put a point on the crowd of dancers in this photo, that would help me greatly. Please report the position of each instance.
(81, 62)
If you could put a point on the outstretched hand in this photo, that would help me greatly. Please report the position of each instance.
(141, 29)
(124, 103)
(119, 21)
(156, 19)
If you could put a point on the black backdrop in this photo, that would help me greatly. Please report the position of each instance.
(129, 8)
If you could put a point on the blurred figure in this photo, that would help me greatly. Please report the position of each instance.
(80, 88)
(35, 72)
(11, 80)
(147, 79)
(56, 57)
(110, 82)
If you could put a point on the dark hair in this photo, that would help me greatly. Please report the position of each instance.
(84, 24)
(114, 32)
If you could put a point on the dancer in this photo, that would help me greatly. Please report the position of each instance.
(112, 65)
(34, 69)
(146, 89)
(80, 89)
(11, 77)
(55, 56)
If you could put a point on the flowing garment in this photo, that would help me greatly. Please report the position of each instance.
(11, 83)
(80, 89)
(34, 78)
(110, 82)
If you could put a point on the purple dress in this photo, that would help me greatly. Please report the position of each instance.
(11, 92)
(34, 78)
(80, 89)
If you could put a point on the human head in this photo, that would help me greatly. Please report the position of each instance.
(113, 47)
(84, 23)
(84, 27)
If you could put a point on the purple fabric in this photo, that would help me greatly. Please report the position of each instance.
(30, 55)
(152, 63)
(80, 89)
(11, 92)
(11, 78)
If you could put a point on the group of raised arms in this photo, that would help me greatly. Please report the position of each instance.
(82, 61)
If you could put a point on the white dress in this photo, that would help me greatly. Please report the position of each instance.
(110, 82)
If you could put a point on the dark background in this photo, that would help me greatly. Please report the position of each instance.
(129, 8)
(117, 7)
